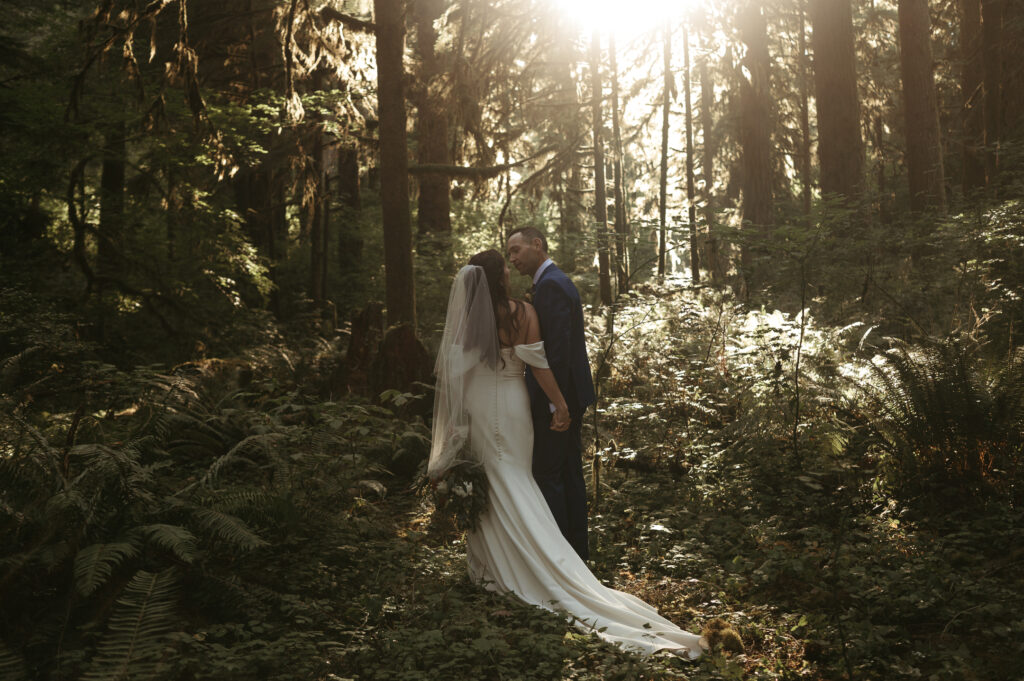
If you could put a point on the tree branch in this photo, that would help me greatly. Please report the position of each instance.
(329, 14)
(476, 173)
(481, 173)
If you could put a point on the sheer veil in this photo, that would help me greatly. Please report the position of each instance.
(469, 342)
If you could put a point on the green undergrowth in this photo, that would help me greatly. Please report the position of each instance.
(220, 520)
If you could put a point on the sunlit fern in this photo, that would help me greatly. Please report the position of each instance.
(944, 421)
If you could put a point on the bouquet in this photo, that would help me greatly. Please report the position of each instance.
(460, 496)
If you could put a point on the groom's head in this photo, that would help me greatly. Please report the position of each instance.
(527, 249)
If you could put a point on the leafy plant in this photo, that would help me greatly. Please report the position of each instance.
(945, 423)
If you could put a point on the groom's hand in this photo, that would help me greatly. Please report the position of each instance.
(560, 420)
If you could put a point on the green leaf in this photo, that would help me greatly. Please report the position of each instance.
(94, 564)
(137, 631)
(174, 538)
(12, 665)
(229, 528)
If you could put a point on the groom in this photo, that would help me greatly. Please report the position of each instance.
(557, 460)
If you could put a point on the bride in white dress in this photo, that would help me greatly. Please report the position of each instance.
(517, 546)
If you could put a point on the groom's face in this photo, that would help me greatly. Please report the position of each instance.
(525, 255)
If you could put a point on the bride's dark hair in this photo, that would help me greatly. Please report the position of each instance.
(493, 265)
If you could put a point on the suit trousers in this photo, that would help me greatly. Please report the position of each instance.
(558, 470)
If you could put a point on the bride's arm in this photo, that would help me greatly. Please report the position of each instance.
(545, 378)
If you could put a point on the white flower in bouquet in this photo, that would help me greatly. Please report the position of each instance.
(442, 487)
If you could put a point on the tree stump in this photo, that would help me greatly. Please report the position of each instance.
(353, 375)
(401, 363)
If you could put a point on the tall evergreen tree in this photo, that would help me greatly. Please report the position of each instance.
(755, 131)
(691, 206)
(600, 183)
(666, 103)
(433, 216)
(840, 148)
(400, 295)
(921, 112)
(972, 95)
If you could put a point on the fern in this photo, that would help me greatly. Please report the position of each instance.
(229, 528)
(173, 538)
(12, 665)
(137, 630)
(94, 564)
(256, 443)
(941, 421)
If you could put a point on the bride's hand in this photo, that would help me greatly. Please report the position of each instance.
(560, 420)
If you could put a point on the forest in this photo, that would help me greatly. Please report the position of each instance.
(227, 235)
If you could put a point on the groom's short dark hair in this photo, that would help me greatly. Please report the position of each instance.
(530, 233)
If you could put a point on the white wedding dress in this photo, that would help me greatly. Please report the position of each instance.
(518, 546)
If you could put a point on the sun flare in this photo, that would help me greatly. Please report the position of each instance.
(624, 20)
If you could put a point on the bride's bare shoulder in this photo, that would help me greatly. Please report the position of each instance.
(521, 307)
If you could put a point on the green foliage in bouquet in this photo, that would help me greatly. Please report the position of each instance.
(460, 497)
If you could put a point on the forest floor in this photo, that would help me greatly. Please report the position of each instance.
(712, 505)
(742, 479)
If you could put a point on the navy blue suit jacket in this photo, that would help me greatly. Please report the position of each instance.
(561, 326)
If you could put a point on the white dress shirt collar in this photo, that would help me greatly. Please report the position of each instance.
(540, 270)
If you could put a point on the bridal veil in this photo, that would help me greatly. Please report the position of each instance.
(469, 341)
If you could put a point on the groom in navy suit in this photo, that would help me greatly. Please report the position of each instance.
(557, 456)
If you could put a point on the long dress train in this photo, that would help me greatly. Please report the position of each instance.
(518, 547)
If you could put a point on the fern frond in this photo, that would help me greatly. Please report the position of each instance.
(229, 528)
(137, 629)
(12, 665)
(253, 443)
(173, 538)
(238, 500)
(942, 422)
(282, 480)
(94, 564)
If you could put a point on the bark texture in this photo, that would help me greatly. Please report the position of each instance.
(600, 182)
(972, 94)
(840, 148)
(400, 294)
(921, 111)
(433, 215)
(691, 206)
(666, 103)
(756, 120)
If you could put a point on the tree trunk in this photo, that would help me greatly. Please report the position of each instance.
(707, 170)
(570, 125)
(666, 101)
(400, 294)
(600, 185)
(621, 228)
(110, 248)
(885, 198)
(840, 149)
(972, 95)
(992, 37)
(755, 134)
(921, 111)
(691, 206)
(433, 216)
(806, 182)
(348, 178)
(1012, 70)
(350, 238)
(317, 212)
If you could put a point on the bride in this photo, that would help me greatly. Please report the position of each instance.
(481, 398)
